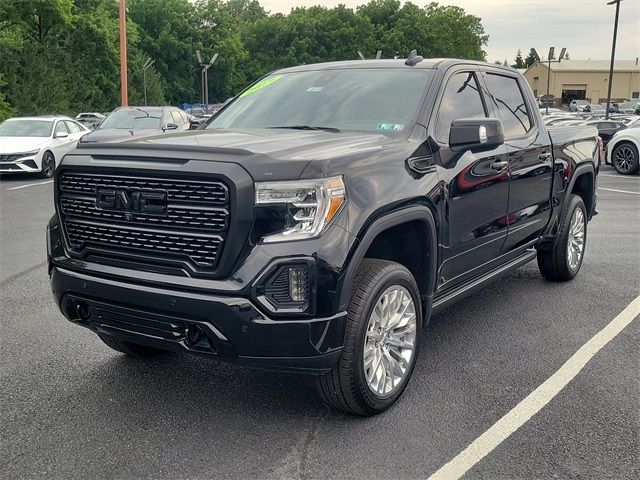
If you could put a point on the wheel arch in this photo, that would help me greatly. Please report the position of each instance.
(423, 263)
(582, 183)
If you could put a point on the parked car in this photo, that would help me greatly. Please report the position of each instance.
(36, 144)
(321, 218)
(127, 122)
(552, 111)
(197, 117)
(90, 120)
(559, 118)
(627, 108)
(606, 128)
(594, 108)
(578, 105)
(622, 151)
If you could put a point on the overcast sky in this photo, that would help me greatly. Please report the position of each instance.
(585, 27)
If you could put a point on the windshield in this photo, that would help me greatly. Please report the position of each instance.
(368, 100)
(25, 128)
(131, 118)
(582, 102)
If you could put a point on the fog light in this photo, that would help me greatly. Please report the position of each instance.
(297, 284)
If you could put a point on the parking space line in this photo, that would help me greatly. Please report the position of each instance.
(621, 177)
(30, 185)
(619, 191)
(536, 400)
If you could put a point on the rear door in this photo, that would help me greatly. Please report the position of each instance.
(529, 156)
(477, 186)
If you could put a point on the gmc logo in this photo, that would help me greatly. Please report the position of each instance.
(154, 203)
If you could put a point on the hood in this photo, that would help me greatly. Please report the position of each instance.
(21, 144)
(117, 134)
(264, 153)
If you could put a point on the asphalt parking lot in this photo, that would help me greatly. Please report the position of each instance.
(72, 408)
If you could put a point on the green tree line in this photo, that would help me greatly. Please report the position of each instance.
(62, 56)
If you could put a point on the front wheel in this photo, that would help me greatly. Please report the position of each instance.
(383, 333)
(48, 165)
(563, 261)
(625, 159)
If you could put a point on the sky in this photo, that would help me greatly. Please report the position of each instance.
(584, 27)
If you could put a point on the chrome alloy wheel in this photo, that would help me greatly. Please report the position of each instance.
(624, 158)
(575, 244)
(390, 341)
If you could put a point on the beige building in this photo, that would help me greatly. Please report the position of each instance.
(585, 79)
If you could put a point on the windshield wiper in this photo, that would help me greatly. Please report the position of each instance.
(309, 127)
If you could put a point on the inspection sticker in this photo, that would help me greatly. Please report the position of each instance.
(260, 85)
(391, 126)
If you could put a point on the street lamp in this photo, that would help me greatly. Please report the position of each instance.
(550, 60)
(613, 54)
(122, 14)
(146, 65)
(204, 77)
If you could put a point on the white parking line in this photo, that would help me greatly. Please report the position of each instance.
(619, 191)
(30, 185)
(536, 400)
(621, 177)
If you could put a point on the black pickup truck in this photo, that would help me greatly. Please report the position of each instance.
(320, 218)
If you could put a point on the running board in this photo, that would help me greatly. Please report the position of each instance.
(447, 299)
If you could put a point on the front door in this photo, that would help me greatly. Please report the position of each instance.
(476, 186)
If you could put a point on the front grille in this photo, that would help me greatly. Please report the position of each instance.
(10, 157)
(188, 226)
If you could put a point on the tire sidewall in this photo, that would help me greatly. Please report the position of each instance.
(403, 278)
(634, 167)
(48, 155)
(576, 202)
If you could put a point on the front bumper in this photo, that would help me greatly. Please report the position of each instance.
(227, 328)
(20, 165)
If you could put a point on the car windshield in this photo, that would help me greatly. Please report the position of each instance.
(368, 100)
(582, 102)
(131, 118)
(25, 128)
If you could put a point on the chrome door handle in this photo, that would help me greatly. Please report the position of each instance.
(544, 156)
(500, 166)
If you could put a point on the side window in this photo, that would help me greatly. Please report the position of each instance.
(60, 128)
(72, 127)
(177, 119)
(166, 118)
(508, 100)
(461, 99)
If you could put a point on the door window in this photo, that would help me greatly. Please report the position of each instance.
(60, 128)
(177, 119)
(461, 99)
(508, 100)
(72, 127)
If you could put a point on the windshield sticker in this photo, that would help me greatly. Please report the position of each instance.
(391, 126)
(260, 85)
(315, 89)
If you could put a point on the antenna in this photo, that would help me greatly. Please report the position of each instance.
(413, 58)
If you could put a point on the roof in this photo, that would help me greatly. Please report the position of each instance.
(427, 63)
(593, 65)
(43, 117)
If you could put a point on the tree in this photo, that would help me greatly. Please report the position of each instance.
(519, 62)
(530, 60)
(5, 109)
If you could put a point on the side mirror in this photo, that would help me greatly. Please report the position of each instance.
(170, 126)
(62, 135)
(475, 134)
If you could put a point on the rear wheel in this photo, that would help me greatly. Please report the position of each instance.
(563, 261)
(48, 165)
(625, 159)
(130, 349)
(383, 333)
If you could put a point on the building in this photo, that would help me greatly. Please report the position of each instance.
(585, 80)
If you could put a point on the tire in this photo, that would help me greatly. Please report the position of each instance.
(48, 165)
(130, 349)
(558, 263)
(625, 158)
(346, 386)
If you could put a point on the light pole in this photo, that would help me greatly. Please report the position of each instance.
(205, 78)
(613, 54)
(122, 13)
(550, 60)
(146, 65)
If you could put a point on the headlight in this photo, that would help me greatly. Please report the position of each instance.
(309, 205)
(28, 154)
